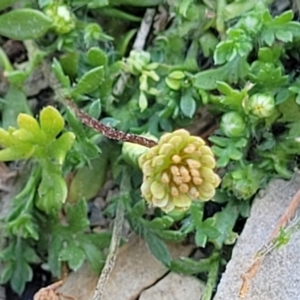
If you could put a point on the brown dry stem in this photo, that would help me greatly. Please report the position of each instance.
(108, 131)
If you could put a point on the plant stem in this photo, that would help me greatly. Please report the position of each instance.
(108, 131)
(30, 185)
(212, 279)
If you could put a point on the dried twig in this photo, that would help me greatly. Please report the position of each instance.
(113, 248)
(116, 236)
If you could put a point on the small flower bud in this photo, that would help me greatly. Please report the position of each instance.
(62, 17)
(233, 124)
(174, 79)
(165, 178)
(261, 105)
(166, 148)
(176, 159)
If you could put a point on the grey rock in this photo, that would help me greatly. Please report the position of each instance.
(135, 270)
(175, 287)
(278, 275)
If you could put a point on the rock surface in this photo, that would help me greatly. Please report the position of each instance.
(135, 270)
(278, 276)
(175, 287)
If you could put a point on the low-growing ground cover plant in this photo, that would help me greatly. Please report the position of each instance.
(122, 111)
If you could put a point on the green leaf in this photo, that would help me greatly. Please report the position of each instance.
(171, 235)
(22, 274)
(112, 122)
(59, 74)
(210, 229)
(284, 18)
(161, 223)
(289, 110)
(88, 180)
(24, 24)
(59, 147)
(89, 82)
(43, 3)
(238, 43)
(138, 3)
(227, 149)
(30, 124)
(52, 123)
(284, 36)
(224, 88)
(196, 211)
(93, 254)
(77, 216)
(224, 221)
(69, 63)
(268, 36)
(231, 72)
(7, 272)
(189, 266)
(96, 57)
(176, 75)
(100, 240)
(21, 151)
(267, 74)
(15, 103)
(72, 254)
(120, 14)
(55, 245)
(188, 105)
(208, 42)
(22, 270)
(97, 3)
(143, 101)
(6, 138)
(173, 84)
(139, 208)
(52, 190)
(95, 109)
(75, 124)
(184, 6)
(158, 248)
(23, 226)
(31, 255)
(6, 3)
(200, 238)
(236, 9)
(17, 77)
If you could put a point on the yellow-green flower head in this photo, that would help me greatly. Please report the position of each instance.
(177, 170)
(62, 17)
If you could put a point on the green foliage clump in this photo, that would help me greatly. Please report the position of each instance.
(236, 60)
